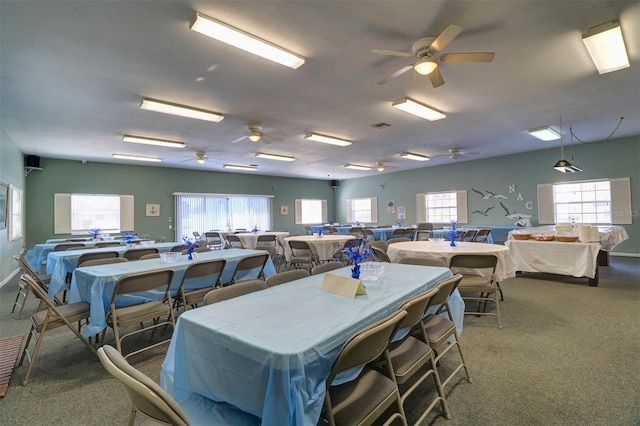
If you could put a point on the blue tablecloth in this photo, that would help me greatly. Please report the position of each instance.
(38, 254)
(94, 284)
(442, 233)
(269, 353)
(60, 263)
(383, 234)
(342, 230)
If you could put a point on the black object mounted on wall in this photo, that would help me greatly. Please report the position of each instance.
(335, 183)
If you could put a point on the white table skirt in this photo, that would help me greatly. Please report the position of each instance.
(610, 235)
(250, 239)
(443, 251)
(554, 257)
(324, 246)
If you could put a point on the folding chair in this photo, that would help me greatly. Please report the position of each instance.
(248, 263)
(207, 274)
(236, 290)
(233, 241)
(287, 276)
(135, 254)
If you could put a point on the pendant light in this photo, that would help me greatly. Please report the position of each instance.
(563, 165)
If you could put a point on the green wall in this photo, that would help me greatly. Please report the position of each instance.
(521, 173)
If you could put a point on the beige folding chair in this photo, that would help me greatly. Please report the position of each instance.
(236, 290)
(134, 284)
(108, 244)
(106, 261)
(469, 235)
(397, 233)
(478, 283)
(325, 267)
(233, 241)
(42, 280)
(197, 250)
(412, 357)
(422, 235)
(372, 393)
(266, 240)
(214, 239)
(160, 239)
(397, 240)
(380, 255)
(439, 329)
(301, 254)
(97, 255)
(248, 263)
(378, 243)
(135, 254)
(425, 226)
(207, 273)
(146, 395)
(150, 256)
(424, 261)
(50, 318)
(68, 246)
(482, 236)
(269, 249)
(286, 276)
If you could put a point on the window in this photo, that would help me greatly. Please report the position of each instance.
(442, 207)
(310, 212)
(76, 214)
(15, 213)
(603, 201)
(204, 212)
(363, 210)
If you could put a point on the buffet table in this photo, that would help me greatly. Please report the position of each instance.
(576, 259)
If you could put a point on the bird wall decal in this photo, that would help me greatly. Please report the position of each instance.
(522, 220)
(488, 194)
(483, 213)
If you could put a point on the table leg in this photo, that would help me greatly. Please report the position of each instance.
(593, 282)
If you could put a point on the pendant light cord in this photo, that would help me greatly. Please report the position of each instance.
(604, 140)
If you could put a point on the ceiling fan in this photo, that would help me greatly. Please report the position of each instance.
(455, 154)
(200, 158)
(258, 133)
(427, 51)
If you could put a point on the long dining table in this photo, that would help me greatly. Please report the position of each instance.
(444, 251)
(263, 358)
(94, 284)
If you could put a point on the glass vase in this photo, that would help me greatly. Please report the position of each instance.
(355, 270)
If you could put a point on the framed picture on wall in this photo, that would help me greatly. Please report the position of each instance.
(4, 195)
(284, 210)
(402, 212)
(153, 209)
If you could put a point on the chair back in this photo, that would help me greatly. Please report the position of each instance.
(234, 241)
(469, 235)
(196, 234)
(150, 256)
(397, 240)
(213, 238)
(205, 268)
(247, 263)
(67, 246)
(236, 290)
(143, 281)
(380, 255)
(266, 240)
(324, 267)
(482, 235)
(445, 288)
(146, 395)
(107, 244)
(197, 250)
(424, 261)
(135, 254)
(367, 345)
(160, 239)
(272, 250)
(382, 245)
(416, 307)
(105, 261)
(474, 261)
(300, 248)
(287, 276)
(425, 226)
(422, 235)
(97, 255)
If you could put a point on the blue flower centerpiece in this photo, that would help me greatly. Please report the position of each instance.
(95, 233)
(128, 238)
(191, 244)
(399, 224)
(255, 229)
(357, 251)
(331, 223)
(452, 233)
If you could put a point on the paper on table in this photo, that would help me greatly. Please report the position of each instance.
(342, 286)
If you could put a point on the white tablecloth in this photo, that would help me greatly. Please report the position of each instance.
(323, 246)
(554, 257)
(443, 251)
(610, 235)
(269, 353)
(250, 239)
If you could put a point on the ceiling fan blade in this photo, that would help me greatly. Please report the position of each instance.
(468, 57)
(239, 139)
(436, 78)
(392, 53)
(395, 74)
(445, 37)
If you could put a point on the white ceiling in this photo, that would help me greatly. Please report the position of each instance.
(74, 73)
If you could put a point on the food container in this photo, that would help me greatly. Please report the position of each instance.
(171, 256)
(543, 237)
(567, 238)
(523, 236)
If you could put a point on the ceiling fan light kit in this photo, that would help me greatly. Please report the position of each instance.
(180, 110)
(331, 140)
(425, 66)
(356, 167)
(274, 156)
(412, 156)
(152, 141)
(243, 40)
(606, 47)
(240, 167)
(380, 166)
(417, 108)
(545, 133)
(137, 158)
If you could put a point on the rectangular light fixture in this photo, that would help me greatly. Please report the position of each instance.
(239, 167)
(245, 41)
(327, 139)
(356, 167)
(137, 158)
(181, 110)
(153, 141)
(412, 156)
(274, 156)
(545, 133)
(417, 108)
(606, 47)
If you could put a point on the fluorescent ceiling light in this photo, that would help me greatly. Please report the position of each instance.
(412, 156)
(274, 156)
(356, 167)
(416, 108)
(137, 158)
(545, 133)
(181, 110)
(245, 41)
(606, 47)
(239, 167)
(152, 141)
(327, 139)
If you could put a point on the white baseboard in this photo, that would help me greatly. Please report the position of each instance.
(624, 254)
(11, 275)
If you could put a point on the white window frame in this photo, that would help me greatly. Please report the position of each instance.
(15, 214)
(620, 201)
(62, 214)
(371, 204)
(299, 206)
(461, 206)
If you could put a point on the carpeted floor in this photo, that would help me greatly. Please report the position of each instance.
(567, 355)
